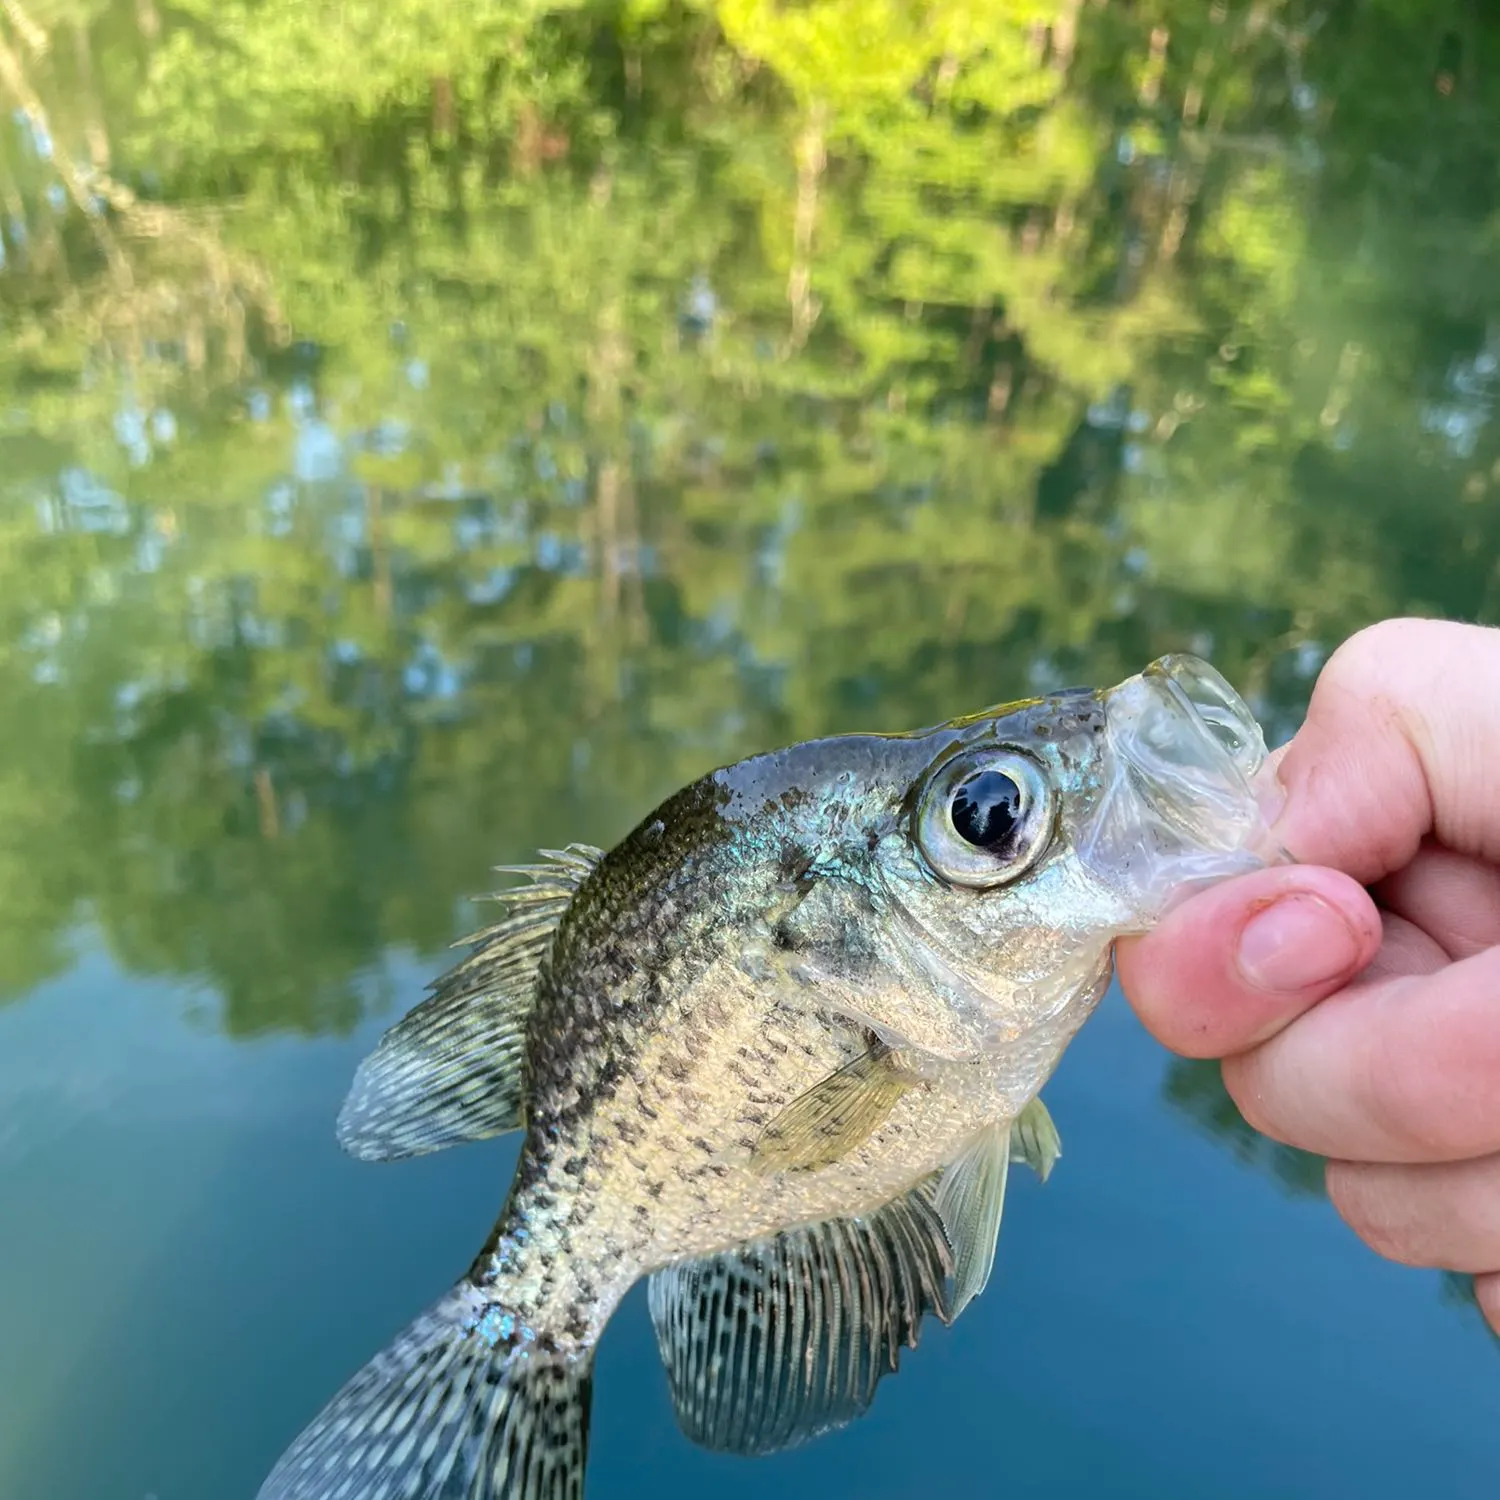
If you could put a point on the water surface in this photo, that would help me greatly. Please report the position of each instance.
(431, 433)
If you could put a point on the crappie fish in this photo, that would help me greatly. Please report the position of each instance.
(776, 1050)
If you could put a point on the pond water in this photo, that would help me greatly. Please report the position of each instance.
(428, 433)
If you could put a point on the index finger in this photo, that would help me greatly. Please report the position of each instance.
(1401, 1068)
(1402, 739)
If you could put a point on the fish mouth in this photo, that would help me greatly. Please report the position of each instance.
(1188, 795)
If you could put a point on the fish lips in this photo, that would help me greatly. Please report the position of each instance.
(1188, 795)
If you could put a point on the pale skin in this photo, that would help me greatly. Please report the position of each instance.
(1355, 997)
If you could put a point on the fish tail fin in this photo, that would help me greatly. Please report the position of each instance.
(465, 1403)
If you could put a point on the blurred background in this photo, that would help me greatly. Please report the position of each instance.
(430, 430)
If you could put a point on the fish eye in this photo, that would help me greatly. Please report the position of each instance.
(985, 818)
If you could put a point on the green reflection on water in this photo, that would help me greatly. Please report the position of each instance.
(417, 419)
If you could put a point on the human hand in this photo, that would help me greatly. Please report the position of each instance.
(1365, 1025)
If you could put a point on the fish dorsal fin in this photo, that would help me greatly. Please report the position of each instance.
(450, 1069)
(834, 1116)
(774, 1342)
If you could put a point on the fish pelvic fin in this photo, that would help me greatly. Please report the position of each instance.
(450, 1070)
(1034, 1140)
(970, 1200)
(970, 1194)
(464, 1404)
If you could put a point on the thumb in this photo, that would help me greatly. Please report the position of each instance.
(1237, 962)
(1400, 742)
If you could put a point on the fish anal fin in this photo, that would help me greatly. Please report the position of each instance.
(769, 1345)
(835, 1116)
(450, 1070)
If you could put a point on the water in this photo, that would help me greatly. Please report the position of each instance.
(427, 433)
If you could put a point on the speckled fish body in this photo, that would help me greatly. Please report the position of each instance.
(674, 1021)
(775, 1050)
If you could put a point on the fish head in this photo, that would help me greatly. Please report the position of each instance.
(1041, 831)
(958, 890)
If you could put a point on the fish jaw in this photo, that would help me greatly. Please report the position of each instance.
(1188, 794)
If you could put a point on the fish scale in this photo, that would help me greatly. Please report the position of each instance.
(775, 1051)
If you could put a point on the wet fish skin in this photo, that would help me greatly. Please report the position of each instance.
(630, 1077)
(772, 927)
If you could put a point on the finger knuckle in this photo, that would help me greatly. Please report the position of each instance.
(1244, 1083)
(1487, 1294)
(1370, 1206)
(1425, 1087)
(1366, 659)
(1386, 1084)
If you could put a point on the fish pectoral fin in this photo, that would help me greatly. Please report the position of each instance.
(784, 1338)
(833, 1117)
(458, 1404)
(450, 1070)
(970, 1199)
(1034, 1139)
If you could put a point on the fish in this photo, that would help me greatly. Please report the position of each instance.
(776, 1051)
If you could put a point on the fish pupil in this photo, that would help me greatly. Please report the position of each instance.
(986, 809)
